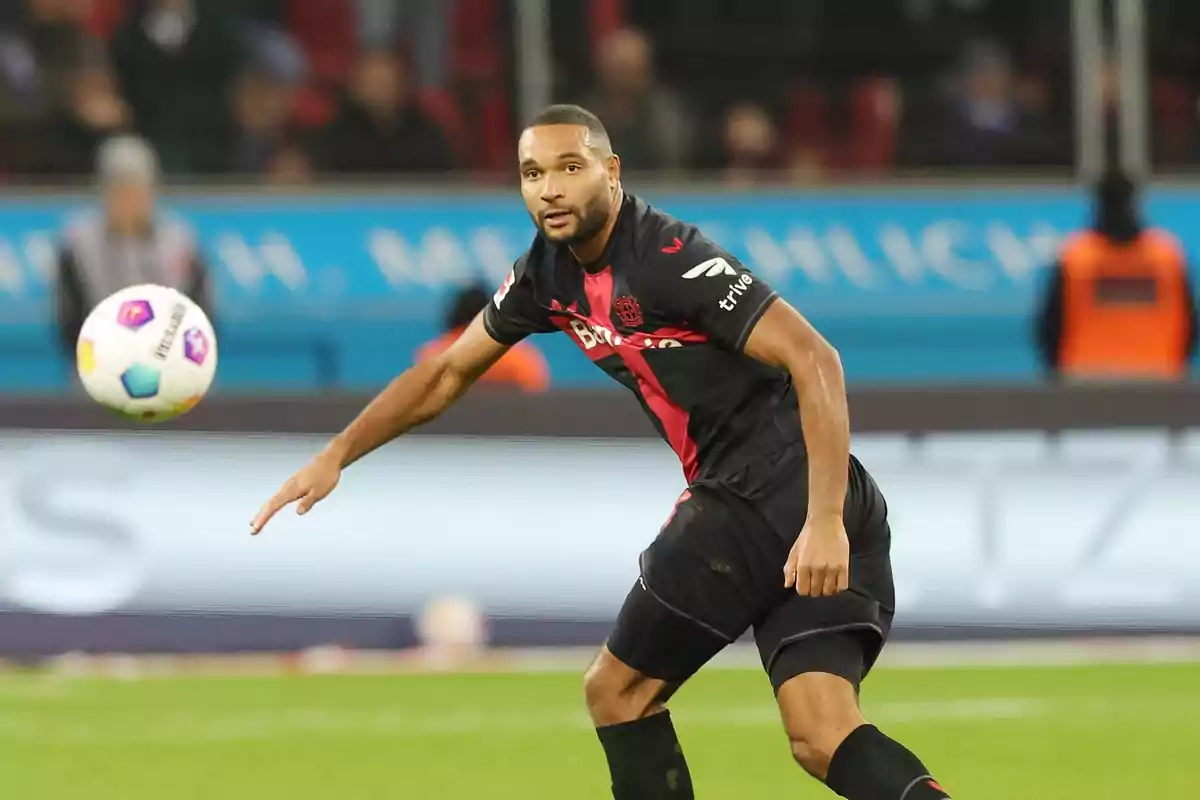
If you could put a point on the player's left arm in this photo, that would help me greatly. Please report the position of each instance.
(739, 311)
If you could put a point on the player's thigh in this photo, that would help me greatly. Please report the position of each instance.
(840, 635)
(696, 593)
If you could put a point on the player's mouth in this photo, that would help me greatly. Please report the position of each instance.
(557, 218)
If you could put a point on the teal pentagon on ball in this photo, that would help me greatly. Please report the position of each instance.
(140, 381)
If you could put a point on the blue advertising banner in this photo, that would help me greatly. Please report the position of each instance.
(909, 283)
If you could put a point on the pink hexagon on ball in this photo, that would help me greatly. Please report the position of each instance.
(133, 314)
(195, 345)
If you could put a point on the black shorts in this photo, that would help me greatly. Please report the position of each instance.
(716, 570)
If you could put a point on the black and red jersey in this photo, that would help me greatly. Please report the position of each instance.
(665, 312)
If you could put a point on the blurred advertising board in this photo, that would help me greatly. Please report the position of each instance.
(911, 283)
(1087, 530)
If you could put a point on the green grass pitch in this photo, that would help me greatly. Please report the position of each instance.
(1058, 733)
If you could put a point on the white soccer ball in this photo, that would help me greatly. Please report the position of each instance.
(147, 352)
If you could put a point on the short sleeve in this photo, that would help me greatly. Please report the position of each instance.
(514, 312)
(712, 292)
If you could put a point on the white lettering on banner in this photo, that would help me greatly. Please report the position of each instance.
(769, 258)
(493, 252)
(12, 274)
(439, 260)
(851, 258)
(905, 258)
(805, 248)
(42, 254)
(249, 265)
(985, 533)
(68, 546)
(939, 242)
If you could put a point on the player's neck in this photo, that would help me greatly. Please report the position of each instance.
(589, 252)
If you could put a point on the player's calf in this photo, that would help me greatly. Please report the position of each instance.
(833, 743)
(645, 759)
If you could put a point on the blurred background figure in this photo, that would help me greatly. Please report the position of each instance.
(983, 119)
(127, 242)
(645, 119)
(751, 146)
(424, 25)
(1119, 304)
(380, 129)
(177, 62)
(64, 144)
(523, 367)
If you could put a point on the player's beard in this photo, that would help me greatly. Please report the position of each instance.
(592, 219)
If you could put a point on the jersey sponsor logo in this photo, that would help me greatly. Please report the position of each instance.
(736, 290)
(505, 287)
(591, 334)
(674, 247)
(710, 269)
(629, 310)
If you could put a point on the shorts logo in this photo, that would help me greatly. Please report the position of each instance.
(629, 310)
(710, 269)
(736, 290)
(502, 292)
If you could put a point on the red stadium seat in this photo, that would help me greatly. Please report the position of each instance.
(873, 120)
(326, 30)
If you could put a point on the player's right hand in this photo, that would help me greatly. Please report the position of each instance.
(307, 487)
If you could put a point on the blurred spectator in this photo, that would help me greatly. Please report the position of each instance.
(176, 63)
(751, 146)
(646, 121)
(983, 123)
(41, 43)
(424, 24)
(126, 244)
(262, 113)
(65, 145)
(290, 165)
(522, 367)
(380, 128)
(1119, 304)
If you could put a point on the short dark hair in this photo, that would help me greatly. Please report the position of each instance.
(566, 114)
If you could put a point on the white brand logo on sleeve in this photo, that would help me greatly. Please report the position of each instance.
(710, 269)
(500, 294)
(736, 290)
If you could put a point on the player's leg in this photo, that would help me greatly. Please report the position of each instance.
(817, 651)
(679, 614)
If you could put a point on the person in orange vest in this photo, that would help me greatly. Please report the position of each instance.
(1120, 304)
(523, 367)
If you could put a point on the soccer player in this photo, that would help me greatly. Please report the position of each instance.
(780, 530)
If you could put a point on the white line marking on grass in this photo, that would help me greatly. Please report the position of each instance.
(306, 722)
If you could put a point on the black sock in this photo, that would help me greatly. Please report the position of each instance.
(645, 760)
(870, 766)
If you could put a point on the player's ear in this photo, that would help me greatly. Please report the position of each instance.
(612, 165)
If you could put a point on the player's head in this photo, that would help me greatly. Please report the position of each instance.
(570, 177)
(128, 172)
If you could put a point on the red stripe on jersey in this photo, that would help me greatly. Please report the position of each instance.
(599, 288)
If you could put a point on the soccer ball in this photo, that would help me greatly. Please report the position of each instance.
(147, 352)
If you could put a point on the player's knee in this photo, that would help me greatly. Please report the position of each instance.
(819, 712)
(616, 693)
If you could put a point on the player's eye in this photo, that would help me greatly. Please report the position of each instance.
(573, 168)
(532, 174)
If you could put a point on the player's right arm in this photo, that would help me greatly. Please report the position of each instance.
(417, 396)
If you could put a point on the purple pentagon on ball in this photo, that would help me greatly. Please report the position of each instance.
(133, 314)
(195, 345)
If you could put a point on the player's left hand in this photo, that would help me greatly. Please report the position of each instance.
(819, 564)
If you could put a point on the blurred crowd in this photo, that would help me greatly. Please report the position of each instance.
(290, 90)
